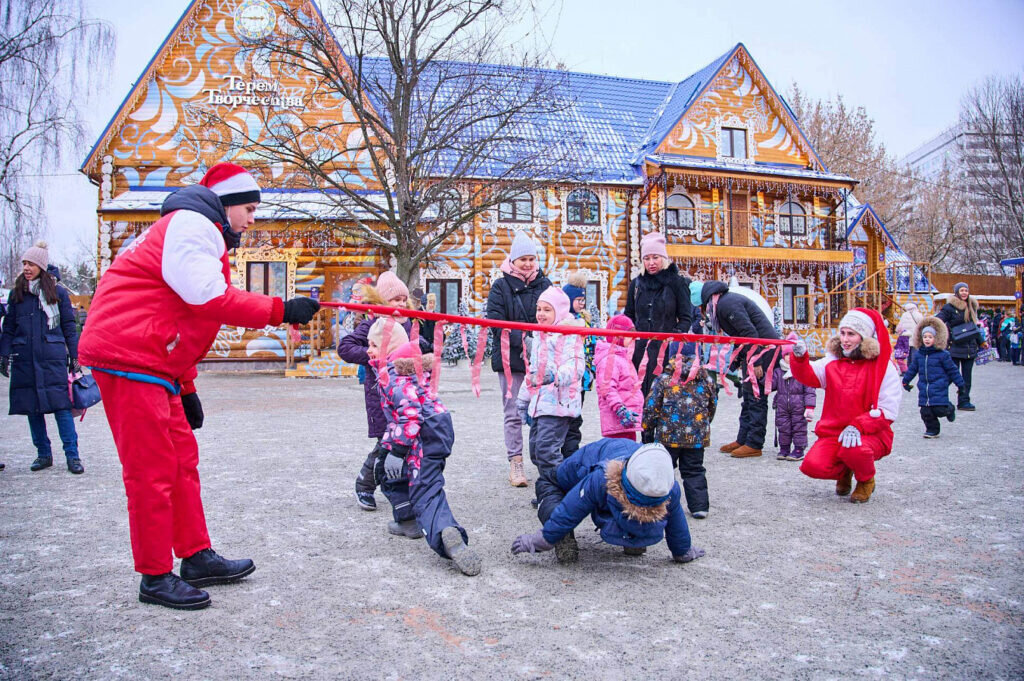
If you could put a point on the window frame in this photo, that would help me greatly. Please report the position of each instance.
(793, 293)
(442, 295)
(265, 264)
(729, 133)
(596, 208)
(786, 218)
(513, 202)
(678, 211)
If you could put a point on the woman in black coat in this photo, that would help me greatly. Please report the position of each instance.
(659, 301)
(961, 309)
(513, 297)
(38, 348)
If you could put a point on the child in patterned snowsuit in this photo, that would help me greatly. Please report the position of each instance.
(418, 439)
(794, 405)
(679, 417)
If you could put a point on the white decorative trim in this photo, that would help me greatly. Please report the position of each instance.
(243, 256)
(733, 121)
(601, 194)
(802, 280)
(446, 271)
(695, 232)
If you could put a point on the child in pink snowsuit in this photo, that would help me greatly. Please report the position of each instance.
(619, 399)
(794, 405)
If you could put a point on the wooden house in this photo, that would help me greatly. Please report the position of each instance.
(717, 162)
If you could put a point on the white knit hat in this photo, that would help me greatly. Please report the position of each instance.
(522, 245)
(37, 255)
(649, 471)
(859, 322)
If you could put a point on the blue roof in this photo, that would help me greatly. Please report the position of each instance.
(862, 210)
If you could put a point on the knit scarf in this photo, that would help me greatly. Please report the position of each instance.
(509, 267)
(50, 309)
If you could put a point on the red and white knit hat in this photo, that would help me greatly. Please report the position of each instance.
(232, 183)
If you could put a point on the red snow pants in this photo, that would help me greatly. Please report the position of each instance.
(827, 460)
(159, 458)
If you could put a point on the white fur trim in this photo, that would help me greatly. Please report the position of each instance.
(236, 184)
(875, 413)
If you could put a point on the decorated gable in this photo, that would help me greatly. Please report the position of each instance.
(209, 92)
(739, 118)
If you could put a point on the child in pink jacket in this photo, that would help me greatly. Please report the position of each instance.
(619, 399)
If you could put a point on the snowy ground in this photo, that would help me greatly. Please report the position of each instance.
(923, 582)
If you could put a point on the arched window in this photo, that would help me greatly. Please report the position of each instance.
(518, 208)
(583, 208)
(680, 212)
(792, 219)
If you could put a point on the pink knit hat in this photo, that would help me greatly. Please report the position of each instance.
(653, 244)
(390, 286)
(556, 298)
(620, 322)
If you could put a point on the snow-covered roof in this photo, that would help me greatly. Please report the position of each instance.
(774, 169)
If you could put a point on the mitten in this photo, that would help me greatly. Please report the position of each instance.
(531, 543)
(809, 415)
(395, 461)
(799, 348)
(850, 437)
(299, 310)
(627, 419)
(193, 410)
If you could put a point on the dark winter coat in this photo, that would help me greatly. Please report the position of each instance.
(739, 316)
(954, 313)
(933, 367)
(513, 300)
(352, 348)
(791, 395)
(680, 415)
(658, 303)
(592, 481)
(39, 368)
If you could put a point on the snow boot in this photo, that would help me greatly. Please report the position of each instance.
(797, 455)
(783, 454)
(745, 452)
(566, 549)
(171, 591)
(699, 515)
(634, 551)
(930, 436)
(205, 567)
(366, 500)
(863, 491)
(406, 528)
(951, 414)
(729, 448)
(516, 477)
(465, 558)
(844, 483)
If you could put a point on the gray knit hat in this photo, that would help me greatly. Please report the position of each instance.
(929, 329)
(37, 255)
(959, 285)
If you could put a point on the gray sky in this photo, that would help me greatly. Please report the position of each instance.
(907, 62)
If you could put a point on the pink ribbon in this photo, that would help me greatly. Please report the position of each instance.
(678, 370)
(435, 369)
(505, 358)
(385, 342)
(481, 348)
(417, 359)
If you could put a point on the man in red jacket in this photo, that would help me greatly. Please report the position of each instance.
(155, 315)
(863, 391)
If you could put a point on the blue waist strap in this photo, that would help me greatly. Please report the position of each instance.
(172, 388)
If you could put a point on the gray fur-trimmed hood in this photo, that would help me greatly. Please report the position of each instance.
(941, 333)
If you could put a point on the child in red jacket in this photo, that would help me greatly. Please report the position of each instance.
(862, 398)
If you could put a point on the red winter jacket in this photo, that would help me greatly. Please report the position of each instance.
(160, 304)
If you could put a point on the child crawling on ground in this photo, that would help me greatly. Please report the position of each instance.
(418, 439)
(630, 492)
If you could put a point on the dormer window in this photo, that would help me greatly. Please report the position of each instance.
(734, 142)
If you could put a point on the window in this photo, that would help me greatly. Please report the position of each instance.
(792, 219)
(680, 213)
(734, 142)
(448, 293)
(583, 208)
(268, 278)
(593, 303)
(516, 209)
(795, 304)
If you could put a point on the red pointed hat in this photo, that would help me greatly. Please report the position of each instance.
(881, 362)
(232, 183)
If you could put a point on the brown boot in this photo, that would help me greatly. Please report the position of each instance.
(516, 477)
(863, 491)
(845, 483)
(745, 452)
(729, 448)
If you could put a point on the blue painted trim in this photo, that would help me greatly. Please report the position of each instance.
(137, 85)
(172, 388)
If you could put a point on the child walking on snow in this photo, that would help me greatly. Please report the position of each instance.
(619, 399)
(550, 399)
(679, 417)
(935, 369)
(417, 441)
(794, 405)
(630, 492)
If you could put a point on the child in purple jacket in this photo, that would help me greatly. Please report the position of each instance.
(794, 405)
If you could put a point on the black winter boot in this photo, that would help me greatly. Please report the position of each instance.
(206, 567)
(171, 591)
(40, 463)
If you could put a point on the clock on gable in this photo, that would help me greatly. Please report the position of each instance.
(254, 19)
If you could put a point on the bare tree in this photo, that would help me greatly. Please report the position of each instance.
(846, 141)
(52, 57)
(992, 116)
(445, 120)
(940, 226)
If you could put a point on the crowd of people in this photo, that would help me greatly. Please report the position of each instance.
(160, 304)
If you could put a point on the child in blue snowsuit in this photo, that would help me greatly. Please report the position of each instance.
(629, 491)
(418, 440)
(935, 368)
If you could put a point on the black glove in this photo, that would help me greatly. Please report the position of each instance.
(5, 366)
(906, 386)
(300, 310)
(193, 410)
(73, 366)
